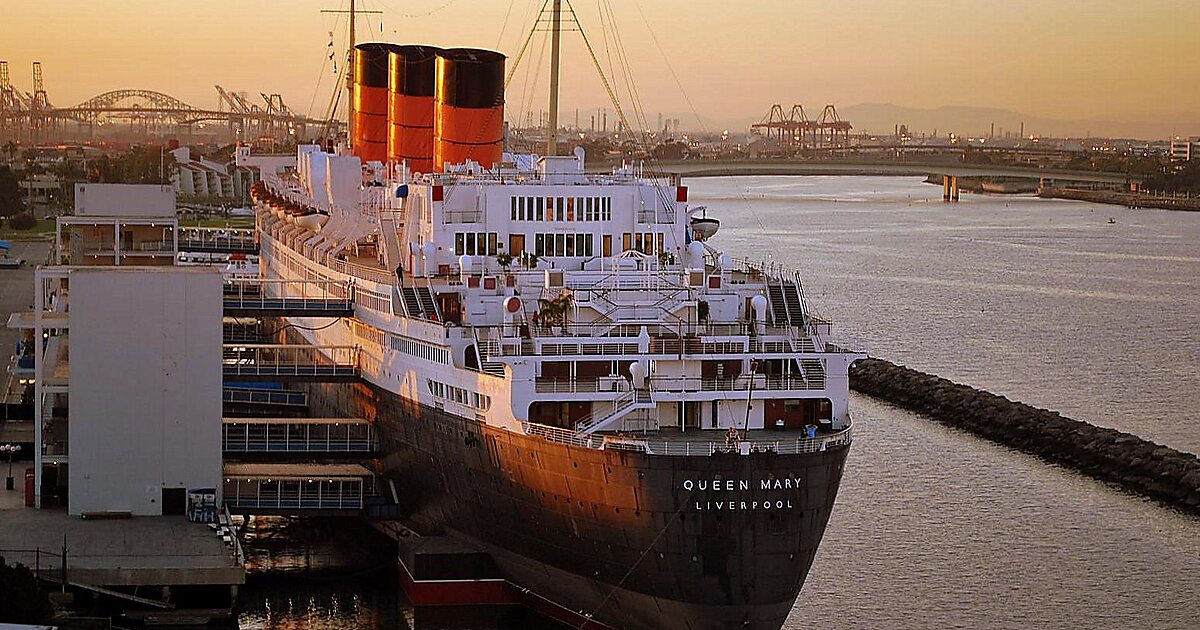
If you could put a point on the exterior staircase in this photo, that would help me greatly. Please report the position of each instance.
(778, 306)
(622, 406)
(795, 308)
(429, 308)
(412, 304)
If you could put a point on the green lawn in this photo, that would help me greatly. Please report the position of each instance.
(43, 231)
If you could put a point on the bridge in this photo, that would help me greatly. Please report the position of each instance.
(289, 363)
(851, 166)
(31, 116)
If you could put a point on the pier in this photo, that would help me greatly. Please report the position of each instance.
(1138, 465)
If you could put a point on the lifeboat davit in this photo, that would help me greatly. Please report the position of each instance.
(314, 221)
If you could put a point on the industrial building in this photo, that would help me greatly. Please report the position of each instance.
(1185, 149)
(127, 402)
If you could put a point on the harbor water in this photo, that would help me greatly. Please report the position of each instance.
(1043, 301)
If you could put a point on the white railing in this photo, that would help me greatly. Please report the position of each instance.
(688, 447)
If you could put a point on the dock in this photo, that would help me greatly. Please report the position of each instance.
(160, 551)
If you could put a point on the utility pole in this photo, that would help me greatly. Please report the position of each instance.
(555, 38)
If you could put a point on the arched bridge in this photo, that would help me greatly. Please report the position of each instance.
(141, 104)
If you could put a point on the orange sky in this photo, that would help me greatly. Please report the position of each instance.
(1069, 59)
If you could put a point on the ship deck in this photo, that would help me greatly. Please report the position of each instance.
(699, 441)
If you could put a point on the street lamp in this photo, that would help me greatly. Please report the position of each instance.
(11, 449)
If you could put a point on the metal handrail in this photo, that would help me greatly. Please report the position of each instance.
(685, 447)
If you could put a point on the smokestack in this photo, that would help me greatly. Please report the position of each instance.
(371, 101)
(468, 107)
(410, 103)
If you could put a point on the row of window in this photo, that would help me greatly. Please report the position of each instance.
(564, 244)
(475, 243)
(400, 343)
(418, 348)
(644, 242)
(561, 208)
(482, 402)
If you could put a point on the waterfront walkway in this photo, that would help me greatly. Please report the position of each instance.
(144, 550)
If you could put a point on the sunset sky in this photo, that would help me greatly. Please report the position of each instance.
(1067, 59)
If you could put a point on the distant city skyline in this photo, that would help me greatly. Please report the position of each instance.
(1124, 66)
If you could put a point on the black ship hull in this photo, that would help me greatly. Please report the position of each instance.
(629, 539)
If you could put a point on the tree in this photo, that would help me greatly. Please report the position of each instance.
(10, 193)
(21, 601)
(10, 149)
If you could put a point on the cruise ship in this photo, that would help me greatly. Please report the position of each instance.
(565, 369)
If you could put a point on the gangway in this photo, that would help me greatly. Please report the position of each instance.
(295, 489)
(267, 297)
(310, 436)
(255, 402)
(289, 363)
(200, 240)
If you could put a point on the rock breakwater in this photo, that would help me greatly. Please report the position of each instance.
(1141, 466)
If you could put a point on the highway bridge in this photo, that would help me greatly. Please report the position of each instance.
(851, 166)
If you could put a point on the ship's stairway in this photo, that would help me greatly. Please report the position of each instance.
(795, 305)
(814, 372)
(488, 351)
(495, 368)
(412, 305)
(388, 229)
(429, 309)
(621, 407)
(778, 305)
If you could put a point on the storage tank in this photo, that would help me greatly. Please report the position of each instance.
(411, 72)
(371, 101)
(468, 107)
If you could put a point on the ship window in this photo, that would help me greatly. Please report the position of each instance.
(587, 245)
(458, 244)
(513, 208)
(539, 244)
(626, 242)
(540, 202)
(607, 203)
(493, 239)
(570, 208)
(571, 243)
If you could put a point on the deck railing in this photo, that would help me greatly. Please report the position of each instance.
(690, 447)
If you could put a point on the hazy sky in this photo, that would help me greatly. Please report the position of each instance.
(1070, 59)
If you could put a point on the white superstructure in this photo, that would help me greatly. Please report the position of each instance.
(538, 297)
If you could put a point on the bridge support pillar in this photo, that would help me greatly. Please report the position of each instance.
(945, 188)
(954, 188)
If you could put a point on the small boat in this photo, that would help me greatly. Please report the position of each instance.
(703, 226)
(1111, 220)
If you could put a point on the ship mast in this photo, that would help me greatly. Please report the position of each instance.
(556, 35)
(350, 82)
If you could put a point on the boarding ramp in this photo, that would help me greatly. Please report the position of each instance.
(307, 436)
(269, 297)
(200, 240)
(289, 363)
(263, 403)
(296, 489)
